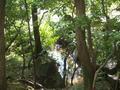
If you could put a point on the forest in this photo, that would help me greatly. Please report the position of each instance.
(59, 44)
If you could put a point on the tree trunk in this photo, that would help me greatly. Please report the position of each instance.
(38, 45)
(83, 53)
(2, 46)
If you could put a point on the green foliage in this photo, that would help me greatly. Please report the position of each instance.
(47, 33)
(82, 21)
(13, 66)
(104, 32)
(77, 87)
(16, 86)
(103, 85)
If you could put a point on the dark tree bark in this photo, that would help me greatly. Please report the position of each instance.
(83, 53)
(2, 46)
(38, 45)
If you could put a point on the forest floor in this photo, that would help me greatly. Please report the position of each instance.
(19, 86)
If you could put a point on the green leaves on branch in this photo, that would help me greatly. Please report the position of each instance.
(82, 22)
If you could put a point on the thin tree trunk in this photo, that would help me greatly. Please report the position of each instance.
(31, 45)
(38, 45)
(90, 44)
(24, 61)
(29, 33)
(2, 47)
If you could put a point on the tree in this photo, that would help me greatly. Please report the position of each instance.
(38, 45)
(95, 34)
(2, 46)
(84, 56)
